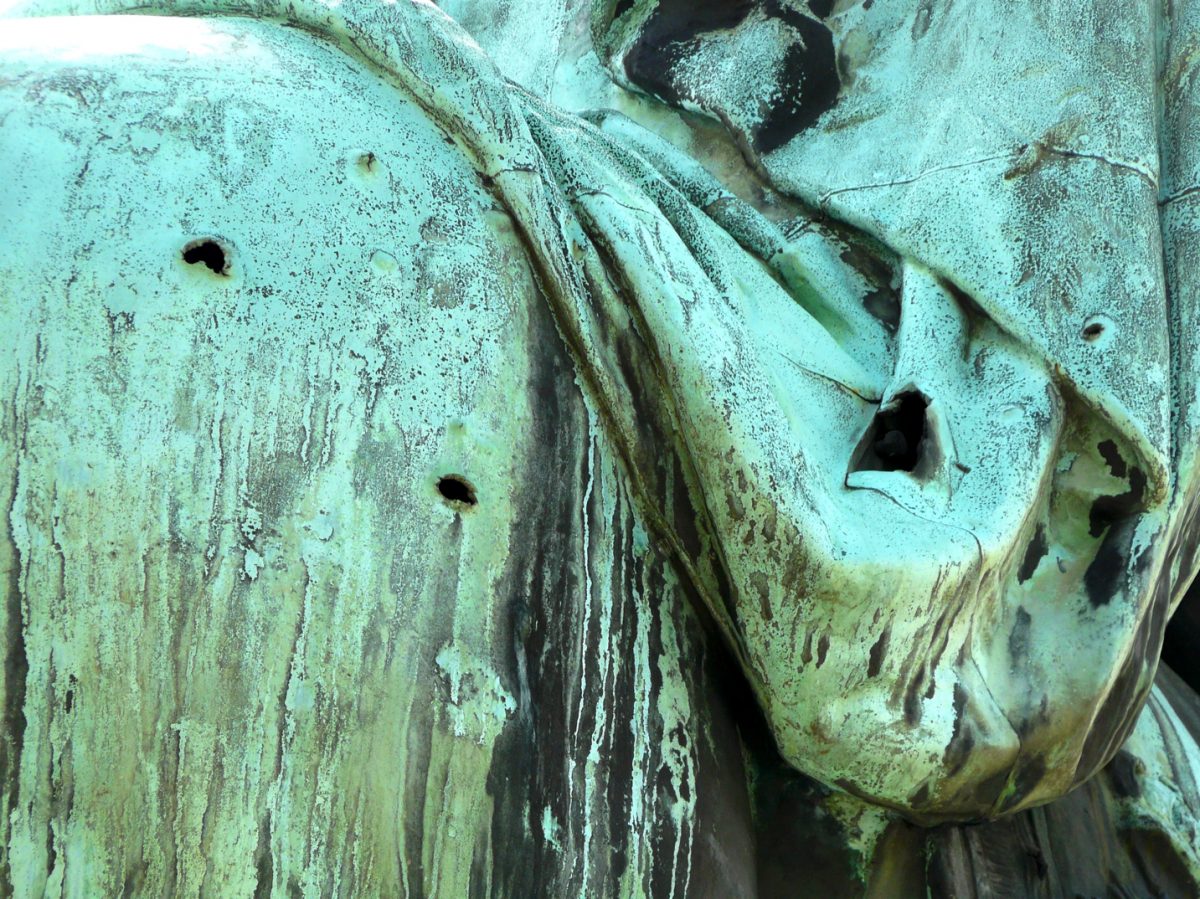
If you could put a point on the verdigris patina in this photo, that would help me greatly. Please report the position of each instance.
(636, 448)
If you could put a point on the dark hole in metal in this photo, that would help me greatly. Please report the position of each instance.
(208, 252)
(896, 437)
(456, 489)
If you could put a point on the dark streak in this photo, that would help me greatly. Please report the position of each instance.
(912, 698)
(16, 671)
(919, 797)
(881, 301)
(958, 751)
(1107, 510)
(1106, 574)
(1029, 774)
(809, 84)
(264, 862)
(667, 35)
(1034, 553)
(878, 652)
(1123, 775)
(1018, 639)
(1112, 455)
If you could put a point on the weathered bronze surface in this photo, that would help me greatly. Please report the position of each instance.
(567, 448)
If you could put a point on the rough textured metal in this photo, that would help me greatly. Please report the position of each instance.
(421, 484)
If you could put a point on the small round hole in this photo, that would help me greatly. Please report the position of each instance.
(207, 252)
(1098, 329)
(457, 489)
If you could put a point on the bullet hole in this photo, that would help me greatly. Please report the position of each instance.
(1097, 330)
(367, 163)
(898, 436)
(207, 252)
(457, 489)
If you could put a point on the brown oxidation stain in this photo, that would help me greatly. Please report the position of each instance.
(878, 652)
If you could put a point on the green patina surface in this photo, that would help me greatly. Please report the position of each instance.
(254, 644)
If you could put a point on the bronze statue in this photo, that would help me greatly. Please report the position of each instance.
(634, 448)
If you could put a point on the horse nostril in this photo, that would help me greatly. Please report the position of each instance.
(898, 437)
(892, 445)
